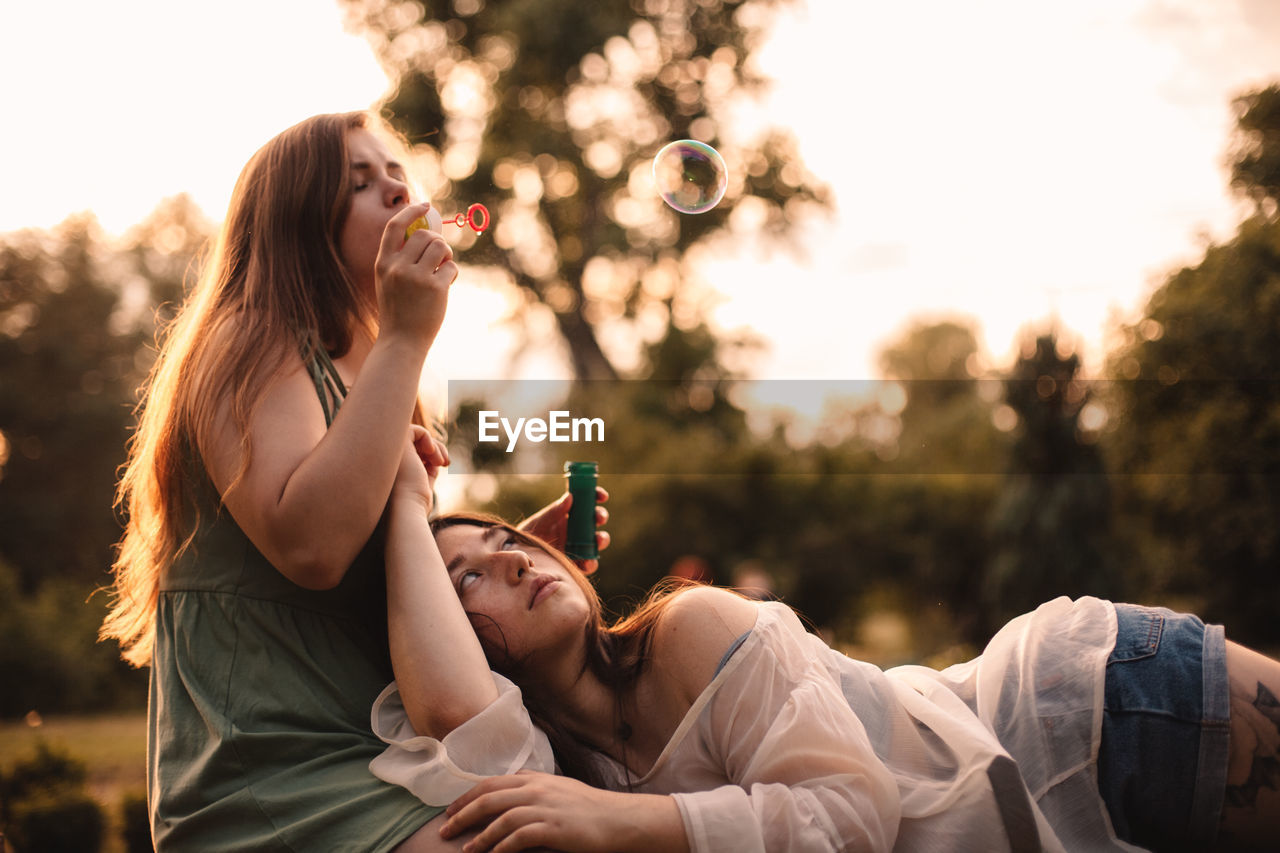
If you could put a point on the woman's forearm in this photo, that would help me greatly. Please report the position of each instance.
(440, 668)
(543, 810)
(652, 822)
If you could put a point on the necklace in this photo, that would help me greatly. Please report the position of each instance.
(623, 732)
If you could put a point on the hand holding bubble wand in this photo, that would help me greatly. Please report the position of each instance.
(476, 218)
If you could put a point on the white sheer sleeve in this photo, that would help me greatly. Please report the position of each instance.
(805, 777)
(499, 740)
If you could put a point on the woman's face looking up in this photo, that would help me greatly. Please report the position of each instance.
(522, 600)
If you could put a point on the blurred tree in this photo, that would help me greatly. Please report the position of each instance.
(1255, 166)
(77, 312)
(947, 469)
(1050, 527)
(549, 113)
(1196, 411)
(946, 424)
(163, 255)
(834, 523)
(685, 473)
(67, 373)
(50, 660)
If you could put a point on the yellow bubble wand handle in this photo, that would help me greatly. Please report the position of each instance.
(476, 218)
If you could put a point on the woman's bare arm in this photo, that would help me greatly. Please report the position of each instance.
(440, 667)
(312, 496)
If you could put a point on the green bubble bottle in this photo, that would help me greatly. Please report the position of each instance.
(580, 538)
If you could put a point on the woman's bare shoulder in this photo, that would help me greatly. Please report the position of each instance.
(285, 420)
(696, 629)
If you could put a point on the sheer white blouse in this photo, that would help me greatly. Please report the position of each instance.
(794, 746)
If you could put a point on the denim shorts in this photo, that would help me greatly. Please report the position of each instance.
(1162, 765)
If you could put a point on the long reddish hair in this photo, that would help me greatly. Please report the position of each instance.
(274, 290)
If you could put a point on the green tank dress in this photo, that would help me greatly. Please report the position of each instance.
(259, 735)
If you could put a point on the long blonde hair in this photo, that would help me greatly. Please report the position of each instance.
(274, 287)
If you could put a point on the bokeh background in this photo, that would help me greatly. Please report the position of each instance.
(988, 314)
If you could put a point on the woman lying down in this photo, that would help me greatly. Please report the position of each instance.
(709, 722)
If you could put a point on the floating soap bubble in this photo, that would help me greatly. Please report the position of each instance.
(690, 175)
(476, 218)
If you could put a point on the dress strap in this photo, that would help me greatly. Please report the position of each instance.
(742, 638)
(329, 386)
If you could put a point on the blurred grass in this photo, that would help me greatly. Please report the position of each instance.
(113, 748)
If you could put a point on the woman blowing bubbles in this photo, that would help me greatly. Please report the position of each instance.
(250, 576)
(713, 723)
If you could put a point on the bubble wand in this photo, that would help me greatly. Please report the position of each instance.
(476, 218)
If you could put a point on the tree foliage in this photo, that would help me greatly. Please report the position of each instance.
(840, 524)
(1196, 412)
(68, 374)
(550, 113)
(77, 317)
(946, 422)
(49, 658)
(1050, 528)
(1255, 166)
(947, 465)
(77, 313)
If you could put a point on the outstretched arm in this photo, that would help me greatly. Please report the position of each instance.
(440, 668)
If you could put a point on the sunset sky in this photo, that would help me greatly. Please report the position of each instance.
(1009, 161)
